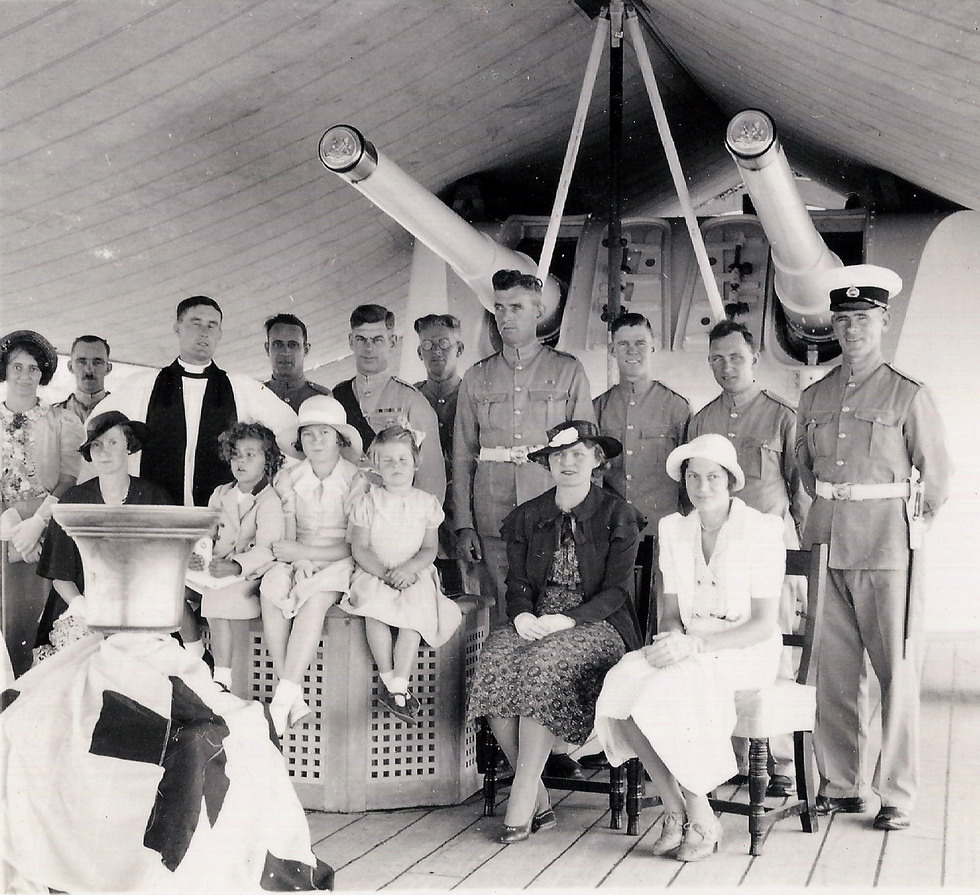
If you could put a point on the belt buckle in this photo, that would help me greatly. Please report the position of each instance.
(518, 454)
(842, 491)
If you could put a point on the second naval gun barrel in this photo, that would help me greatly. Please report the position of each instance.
(798, 251)
(472, 254)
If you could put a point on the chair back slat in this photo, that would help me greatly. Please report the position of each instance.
(813, 564)
(644, 590)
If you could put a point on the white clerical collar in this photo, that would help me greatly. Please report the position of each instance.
(193, 368)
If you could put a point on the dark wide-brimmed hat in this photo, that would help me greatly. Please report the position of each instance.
(22, 336)
(101, 423)
(575, 432)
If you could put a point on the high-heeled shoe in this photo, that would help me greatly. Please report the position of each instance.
(519, 833)
(544, 820)
(671, 836)
(699, 841)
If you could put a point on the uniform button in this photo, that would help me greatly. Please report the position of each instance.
(629, 453)
(852, 385)
(632, 403)
(842, 435)
(630, 427)
(629, 478)
(518, 435)
(731, 434)
(517, 413)
(442, 401)
(519, 367)
(517, 388)
(840, 462)
(845, 408)
(734, 415)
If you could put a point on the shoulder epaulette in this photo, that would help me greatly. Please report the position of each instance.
(322, 389)
(675, 394)
(403, 382)
(779, 399)
(904, 375)
(561, 353)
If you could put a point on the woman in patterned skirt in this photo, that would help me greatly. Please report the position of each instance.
(570, 556)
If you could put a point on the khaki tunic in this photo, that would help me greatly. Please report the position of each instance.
(763, 430)
(296, 395)
(650, 420)
(388, 401)
(868, 433)
(510, 399)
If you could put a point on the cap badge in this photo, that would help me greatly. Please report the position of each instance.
(852, 292)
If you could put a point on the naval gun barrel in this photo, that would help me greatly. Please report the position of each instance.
(473, 255)
(798, 251)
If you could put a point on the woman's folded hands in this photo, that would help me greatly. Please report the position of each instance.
(671, 647)
(533, 627)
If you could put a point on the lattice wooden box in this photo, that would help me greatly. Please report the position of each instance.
(356, 756)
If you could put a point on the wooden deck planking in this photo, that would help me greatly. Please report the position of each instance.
(521, 863)
(962, 857)
(445, 848)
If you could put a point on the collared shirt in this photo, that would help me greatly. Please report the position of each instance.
(297, 394)
(868, 433)
(82, 411)
(510, 399)
(387, 401)
(650, 420)
(762, 426)
(321, 506)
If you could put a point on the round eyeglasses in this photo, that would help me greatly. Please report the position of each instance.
(443, 343)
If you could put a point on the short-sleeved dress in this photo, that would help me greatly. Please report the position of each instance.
(687, 710)
(555, 680)
(398, 523)
(320, 508)
(61, 561)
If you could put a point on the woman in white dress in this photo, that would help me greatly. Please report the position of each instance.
(672, 703)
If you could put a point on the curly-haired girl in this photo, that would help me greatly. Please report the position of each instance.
(251, 520)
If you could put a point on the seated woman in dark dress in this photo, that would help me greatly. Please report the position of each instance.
(111, 438)
(570, 556)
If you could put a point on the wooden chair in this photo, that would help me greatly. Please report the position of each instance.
(488, 752)
(785, 707)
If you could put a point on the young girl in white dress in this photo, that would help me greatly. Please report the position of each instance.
(394, 537)
(251, 521)
(313, 569)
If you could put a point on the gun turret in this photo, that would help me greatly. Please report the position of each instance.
(799, 253)
(473, 255)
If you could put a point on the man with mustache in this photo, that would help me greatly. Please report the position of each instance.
(90, 364)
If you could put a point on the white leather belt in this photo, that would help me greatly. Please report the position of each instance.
(848, 491)
(509, 455)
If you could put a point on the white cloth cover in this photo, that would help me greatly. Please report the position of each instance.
(128, 769)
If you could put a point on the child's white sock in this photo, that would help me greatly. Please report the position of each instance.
(286, 693)
(387, 678)
(399, 685)
(195, 648)
(222, 675)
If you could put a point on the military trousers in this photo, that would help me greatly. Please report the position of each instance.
(864, 611)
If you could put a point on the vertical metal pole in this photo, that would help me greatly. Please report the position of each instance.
(615, 230)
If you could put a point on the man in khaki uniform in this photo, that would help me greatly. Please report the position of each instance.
(374, 399)
(287, 346)
(440, 349)
(647, 418)
(507, 402)
(762, 426)
(90, 363)
(863, 432)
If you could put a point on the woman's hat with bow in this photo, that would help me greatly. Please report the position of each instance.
(575, 432)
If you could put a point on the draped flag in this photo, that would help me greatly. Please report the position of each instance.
(128, 769)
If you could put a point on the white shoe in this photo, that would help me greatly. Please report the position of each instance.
(299, 713)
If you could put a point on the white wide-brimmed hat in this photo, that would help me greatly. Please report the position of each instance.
(319, 410)
(715, 448)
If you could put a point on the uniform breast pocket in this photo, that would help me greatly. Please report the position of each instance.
(821, 433)
(547, 405)
(751, 457)
(881, 432)
(491, 408)
(657, 442)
